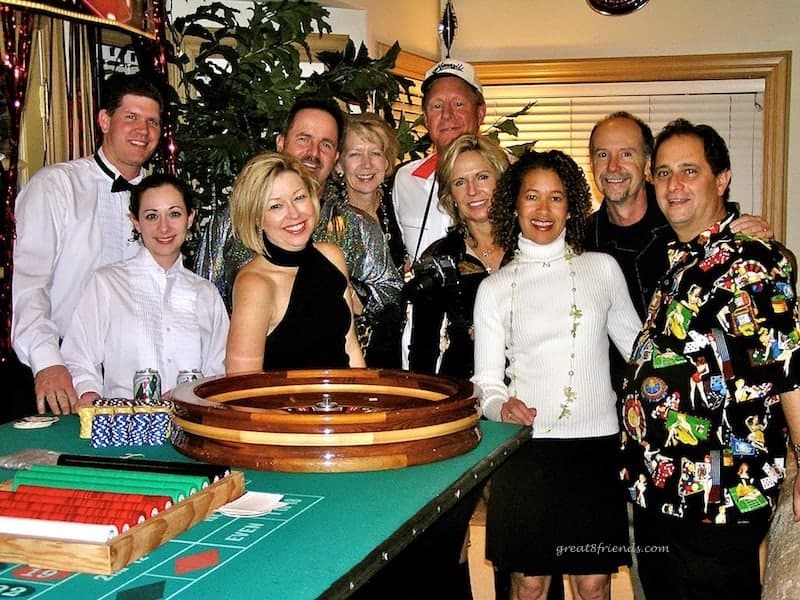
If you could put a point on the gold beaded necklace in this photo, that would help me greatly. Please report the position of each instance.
(575, 313)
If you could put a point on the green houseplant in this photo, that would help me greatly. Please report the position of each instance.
(233, 96)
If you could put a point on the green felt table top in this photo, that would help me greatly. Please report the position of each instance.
(337, 532)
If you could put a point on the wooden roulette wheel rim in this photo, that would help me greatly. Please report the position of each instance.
(321, 420)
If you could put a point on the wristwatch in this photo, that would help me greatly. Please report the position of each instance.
(616, 7)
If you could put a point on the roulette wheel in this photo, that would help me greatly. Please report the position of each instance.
(320, 420)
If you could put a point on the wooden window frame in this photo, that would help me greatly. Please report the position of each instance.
(773, 67)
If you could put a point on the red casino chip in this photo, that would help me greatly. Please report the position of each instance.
(633, 417)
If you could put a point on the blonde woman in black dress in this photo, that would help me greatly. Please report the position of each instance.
(292, 304)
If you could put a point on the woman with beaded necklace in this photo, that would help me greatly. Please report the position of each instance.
(467, 173)
(292, 303)
(542, 325)
(357, 215)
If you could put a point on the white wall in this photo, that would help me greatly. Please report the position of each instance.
(342, 20)
(413, 22)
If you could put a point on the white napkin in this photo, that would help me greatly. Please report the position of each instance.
(252, 504)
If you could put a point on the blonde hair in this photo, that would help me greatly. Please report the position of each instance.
(252, 188)
(491, 153)
(373, 128)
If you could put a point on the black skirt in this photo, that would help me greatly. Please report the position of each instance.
(558, 506)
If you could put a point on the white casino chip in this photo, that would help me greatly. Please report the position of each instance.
(35, 422)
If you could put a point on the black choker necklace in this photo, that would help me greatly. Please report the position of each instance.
(284, 258)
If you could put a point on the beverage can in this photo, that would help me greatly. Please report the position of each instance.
(187, 375)
(147, 386)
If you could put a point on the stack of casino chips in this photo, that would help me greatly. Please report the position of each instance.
(121, 511)
(107, 495)
(123, 422)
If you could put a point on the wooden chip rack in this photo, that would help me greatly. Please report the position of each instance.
(108, 558)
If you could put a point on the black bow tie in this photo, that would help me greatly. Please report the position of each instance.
(120, 183)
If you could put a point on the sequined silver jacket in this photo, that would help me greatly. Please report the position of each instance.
(221, 254)
(373, 274)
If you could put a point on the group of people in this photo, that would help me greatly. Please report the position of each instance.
(99, 286)
(350, 161)
(654, 338)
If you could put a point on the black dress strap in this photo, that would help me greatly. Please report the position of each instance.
(312, 333)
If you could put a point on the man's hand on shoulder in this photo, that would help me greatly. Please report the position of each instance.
(753, 226)
(54, 389)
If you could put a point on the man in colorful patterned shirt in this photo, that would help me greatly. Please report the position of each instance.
(711, 386)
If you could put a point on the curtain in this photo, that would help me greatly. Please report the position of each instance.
(60, 86)
(67, 52)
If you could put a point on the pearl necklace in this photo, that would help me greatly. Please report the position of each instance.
(575, 313)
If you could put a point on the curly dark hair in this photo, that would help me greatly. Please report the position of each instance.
(503, 213)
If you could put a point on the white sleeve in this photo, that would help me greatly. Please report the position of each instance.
(34, 334)
(84, 346)
(623, 321)
(214, 346)
(490, 352)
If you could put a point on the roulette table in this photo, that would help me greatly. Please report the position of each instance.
(338, 529)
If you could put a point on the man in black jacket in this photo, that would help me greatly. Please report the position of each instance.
(629, 225)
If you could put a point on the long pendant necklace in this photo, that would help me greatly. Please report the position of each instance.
(384, 221)
(575, 313)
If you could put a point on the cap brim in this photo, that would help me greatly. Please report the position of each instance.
(429, 81)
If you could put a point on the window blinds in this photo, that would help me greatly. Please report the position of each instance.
(563, 116)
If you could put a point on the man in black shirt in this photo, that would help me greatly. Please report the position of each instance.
(629, 225)
(700, 408)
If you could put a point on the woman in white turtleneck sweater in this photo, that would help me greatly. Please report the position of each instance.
(542, 325)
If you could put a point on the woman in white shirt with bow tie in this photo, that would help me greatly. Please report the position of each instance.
(147, 312)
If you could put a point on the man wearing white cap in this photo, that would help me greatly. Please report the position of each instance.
(453, 104)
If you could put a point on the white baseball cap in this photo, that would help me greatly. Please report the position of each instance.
(451, 67)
